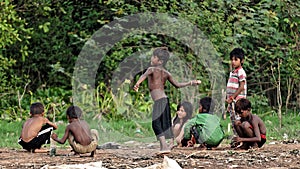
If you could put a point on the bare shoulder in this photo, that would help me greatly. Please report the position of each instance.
(256, 118)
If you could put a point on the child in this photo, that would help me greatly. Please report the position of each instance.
(183, 114)
(78, 133)
(157, 77)
(237, 84)
(204, 128)
(36, 130)
(250, 128)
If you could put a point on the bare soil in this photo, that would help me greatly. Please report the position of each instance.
(273, 156)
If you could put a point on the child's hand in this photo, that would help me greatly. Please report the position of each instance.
(237, 139)
(54, 136)
(136, 88)
(195, 82)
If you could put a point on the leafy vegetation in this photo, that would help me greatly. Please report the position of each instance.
(40, 42)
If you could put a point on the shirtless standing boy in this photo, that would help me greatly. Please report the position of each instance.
(157, 77)
(36, 130)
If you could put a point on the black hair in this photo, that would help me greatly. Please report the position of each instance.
(188, 108)
(74, 112)
(242, 104)
(36, 108)
(162, 53)
(207, 104)
(238, 53)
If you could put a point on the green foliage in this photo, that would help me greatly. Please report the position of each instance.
(41, 40)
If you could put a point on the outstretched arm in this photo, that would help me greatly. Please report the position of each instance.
(183, 84)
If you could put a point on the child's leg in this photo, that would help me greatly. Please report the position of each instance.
(247, 129)
(239, 128)
(163, 144)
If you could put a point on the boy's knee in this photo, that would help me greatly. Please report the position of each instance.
(95, 134)
(246, 125)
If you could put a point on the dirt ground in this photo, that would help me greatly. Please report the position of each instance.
(277, 155)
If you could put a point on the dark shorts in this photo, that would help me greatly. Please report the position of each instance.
(37, 142)
(262, 141)
(161, 118)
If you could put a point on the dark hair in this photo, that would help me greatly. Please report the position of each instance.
(207, 104)
(238, 53)
(162, 53)
(74, 112)
(188, 108)
(36, 108)
(242, 104)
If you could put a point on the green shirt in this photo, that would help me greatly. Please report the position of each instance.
(208, 127)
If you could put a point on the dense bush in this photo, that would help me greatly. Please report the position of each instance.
(43, 39)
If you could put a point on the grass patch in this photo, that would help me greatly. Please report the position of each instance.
(120, 131)
(290, 127)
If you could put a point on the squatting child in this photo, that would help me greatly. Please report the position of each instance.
(205, 128)
(80, 137)
(250, 128)
(36, 130)
(183, 114)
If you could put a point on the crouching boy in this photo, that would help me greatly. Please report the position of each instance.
(80, 137)
(36, 130)
(204, 128)
(250, 128)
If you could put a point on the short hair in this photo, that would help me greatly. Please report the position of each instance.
(162, 53)
(242, 104)
(74, 112)
(207, 104)
(37, 108)
(238, 53)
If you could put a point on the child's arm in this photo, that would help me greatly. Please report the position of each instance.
(63, 139)
(50, 123)
(141, 79)
(256, 131)
(184, 84)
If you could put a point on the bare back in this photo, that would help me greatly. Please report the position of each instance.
(156, 82)
(81, 132)
(32, 127)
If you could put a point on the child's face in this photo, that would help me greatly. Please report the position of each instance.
(155, 61)
(200, 108)
(236, 62)
(243, 113)
(181, 112)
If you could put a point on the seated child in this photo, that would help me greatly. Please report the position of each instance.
(183, 114)
(204, 128)
(250, 128)
(80, 137)
(36, 130)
